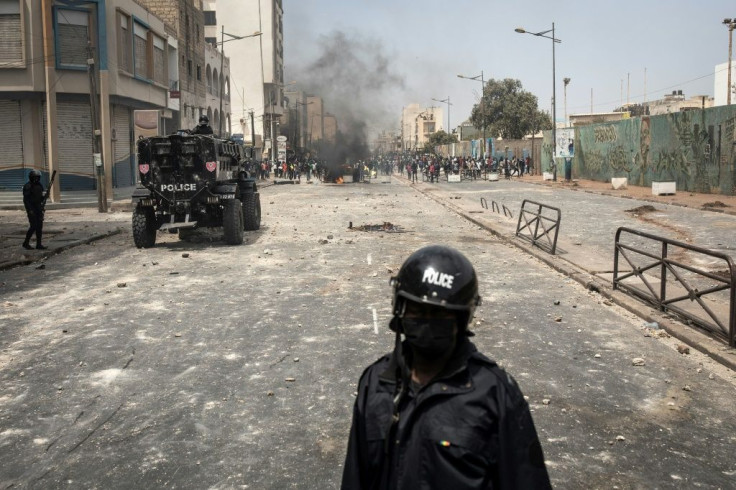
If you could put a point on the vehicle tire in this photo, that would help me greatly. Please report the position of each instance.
(232, 222)
(144, 227)
(252, 211)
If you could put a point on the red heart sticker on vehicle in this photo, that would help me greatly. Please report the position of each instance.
(211, 166)
(144, 168)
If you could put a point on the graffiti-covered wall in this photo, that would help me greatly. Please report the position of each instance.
(694, 148)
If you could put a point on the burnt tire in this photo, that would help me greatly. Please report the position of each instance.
(186, 233)
(144, 227)
(252, 211)
(232, 222)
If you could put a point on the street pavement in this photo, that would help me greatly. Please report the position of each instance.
(198, 365)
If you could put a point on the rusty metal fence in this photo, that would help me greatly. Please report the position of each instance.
(673, 276)
(539, 227)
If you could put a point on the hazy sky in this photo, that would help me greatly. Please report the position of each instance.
(423, 44)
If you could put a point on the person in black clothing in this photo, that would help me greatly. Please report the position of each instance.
(203, 127)
(33, 200)
(436, 413)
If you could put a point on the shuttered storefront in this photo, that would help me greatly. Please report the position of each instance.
(75, 146)
(11, 149)
(122, 172)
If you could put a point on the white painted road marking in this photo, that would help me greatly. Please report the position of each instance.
(375, 321)
(370, 259)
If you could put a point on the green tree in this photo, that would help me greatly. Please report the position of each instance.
(440, 138)
(508, 111)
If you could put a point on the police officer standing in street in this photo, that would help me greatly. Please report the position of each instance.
(33, 200)
(204, 126)
(436, 413)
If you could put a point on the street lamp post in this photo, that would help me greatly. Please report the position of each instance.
(482, 81)
(447, 100)
(731, 24)
(521, 30)
(222, 42)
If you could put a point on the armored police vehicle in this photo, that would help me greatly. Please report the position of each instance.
(190, 181)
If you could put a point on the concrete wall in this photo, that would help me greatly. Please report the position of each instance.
(693, 148)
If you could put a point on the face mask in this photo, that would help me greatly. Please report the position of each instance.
(430, 338)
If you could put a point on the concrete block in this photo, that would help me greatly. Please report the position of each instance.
(547, 176)
(663, 188)
(619, 183)
(453, 178)
(493, 177)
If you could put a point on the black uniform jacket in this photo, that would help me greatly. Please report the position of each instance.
(33, 197)
(470, 427)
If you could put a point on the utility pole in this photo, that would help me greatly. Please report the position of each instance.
(731, 24)
(252, 131)
(96, 132)
(566, 81)
(52, 136)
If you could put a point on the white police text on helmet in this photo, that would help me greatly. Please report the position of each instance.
(432, 276)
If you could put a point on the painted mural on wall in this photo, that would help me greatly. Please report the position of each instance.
(693, 148)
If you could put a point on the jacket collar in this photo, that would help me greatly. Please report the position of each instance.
(458, 362)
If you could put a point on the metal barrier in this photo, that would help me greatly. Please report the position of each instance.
(495, 208)
(530, 230)
(664, 263)
(483, 203)
(507, 212)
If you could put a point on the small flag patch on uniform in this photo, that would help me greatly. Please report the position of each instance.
(445, 443)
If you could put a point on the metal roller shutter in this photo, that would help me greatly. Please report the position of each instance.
(123, 173)
(75, 146)
(12, 176)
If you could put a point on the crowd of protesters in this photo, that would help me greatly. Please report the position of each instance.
(428, 168)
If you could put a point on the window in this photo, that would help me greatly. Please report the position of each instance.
(159, 60)
(11, 39)
(210, 18)
(199, 73)
(140, 50)
(189, 67)
(72, 37)
(125, 51)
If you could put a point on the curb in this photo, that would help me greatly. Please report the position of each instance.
(17, 263)
(693, 337)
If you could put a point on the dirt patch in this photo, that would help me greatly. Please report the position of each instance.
(647, 208)
(386, 226)
(715, 204)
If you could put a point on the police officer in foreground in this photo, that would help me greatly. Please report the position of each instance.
(204, 126)
(436, 413)
(33, 200)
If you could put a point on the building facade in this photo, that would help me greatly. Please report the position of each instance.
(46, 82)
(188, 21)
(417, 123)
(316, 121)
(261, 78)
(330, 125)
(720, 84)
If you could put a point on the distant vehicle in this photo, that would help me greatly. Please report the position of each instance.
(192, 181)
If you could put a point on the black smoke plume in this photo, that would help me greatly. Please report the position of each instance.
(359, 85)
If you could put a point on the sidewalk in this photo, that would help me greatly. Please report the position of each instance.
(589, 221)
(709, 202)
(63, 229)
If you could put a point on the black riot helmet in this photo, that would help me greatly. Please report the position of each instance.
(34, 176)
(438, 276)
(204, 120)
